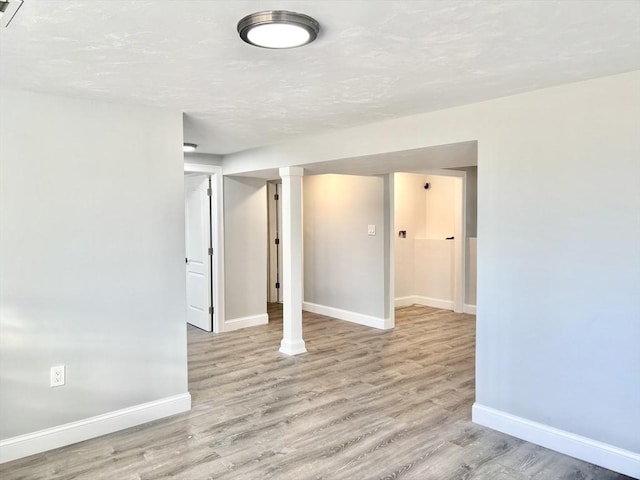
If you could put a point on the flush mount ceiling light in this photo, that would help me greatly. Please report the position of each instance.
(8, 9)
(189, 147)
(278, 29)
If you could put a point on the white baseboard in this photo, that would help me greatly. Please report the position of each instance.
(426, 301)
(404, 301)
(243, 322)
(469, 309)
(434, 302)
(74, 432)
(359, 318)
(583, 448)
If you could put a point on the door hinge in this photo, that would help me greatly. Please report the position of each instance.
(277, 241)
(210, 251)
(277, 284)
(210, 310)
(276, 197)
(209, 192)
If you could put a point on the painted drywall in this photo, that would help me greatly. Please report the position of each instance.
(471, 206)
(558, 258)
(410, 216)
(433, 277)
(92, 255)
(439, 209)
(410, 204)
(344, 267)
(471, 271)
(472, 201)
(245, 250)
(203, 159)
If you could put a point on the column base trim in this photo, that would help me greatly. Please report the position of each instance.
(292, 348)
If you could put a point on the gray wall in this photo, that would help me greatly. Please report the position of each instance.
(245, 247)
(558, 257)
(92, 256)
(344, 267)
(472, 200)
(558, 260)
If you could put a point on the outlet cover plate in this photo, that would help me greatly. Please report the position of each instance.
(57, 376)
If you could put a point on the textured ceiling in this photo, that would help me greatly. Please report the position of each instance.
(373, 59)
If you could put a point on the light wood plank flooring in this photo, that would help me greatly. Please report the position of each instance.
(361, 404)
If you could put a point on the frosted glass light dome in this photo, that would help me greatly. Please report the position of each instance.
(189, 147)
(278, 35)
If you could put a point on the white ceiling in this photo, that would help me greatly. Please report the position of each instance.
(373, 59)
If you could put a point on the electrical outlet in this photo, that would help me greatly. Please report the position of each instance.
(57, 376)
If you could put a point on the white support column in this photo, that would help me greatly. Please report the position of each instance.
(292, 342)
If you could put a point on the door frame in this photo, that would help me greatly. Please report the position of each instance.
(217, 236)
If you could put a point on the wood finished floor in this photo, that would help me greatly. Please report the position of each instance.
(361, 404)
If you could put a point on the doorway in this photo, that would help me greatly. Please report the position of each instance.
(434, 216)
(204, 247)
(274, 208)
(199, 250)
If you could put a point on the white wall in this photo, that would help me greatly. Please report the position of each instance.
(558, 257)
(203, 159)
(92, 255)
(433, 276)
(409, 204)
(410, 215)
(440, 207)
(245, 248)
(344, 267)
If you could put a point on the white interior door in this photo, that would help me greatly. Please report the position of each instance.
(279, 245)
(198, 250)
(275, 251)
